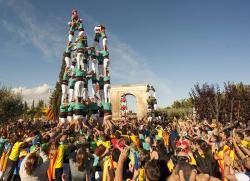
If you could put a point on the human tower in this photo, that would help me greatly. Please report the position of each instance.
(87, 70)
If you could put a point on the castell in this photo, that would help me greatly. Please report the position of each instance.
(86, 73)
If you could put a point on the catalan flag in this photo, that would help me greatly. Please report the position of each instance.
(49, 114)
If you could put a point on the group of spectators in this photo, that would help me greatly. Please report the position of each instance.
(128, 149)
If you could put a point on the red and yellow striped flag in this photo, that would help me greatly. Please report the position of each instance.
(49, 114)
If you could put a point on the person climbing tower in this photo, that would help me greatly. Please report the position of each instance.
(72, 81)
(64, 85)
(94, 80)
(75, 24)
(105, 57)
(63, 112)
(100, 33)
(80, 84)
(82, 51)
(100, 88)
(106, 87)
(92, 59)
(67, 54)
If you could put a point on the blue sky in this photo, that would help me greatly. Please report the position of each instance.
(171, 44)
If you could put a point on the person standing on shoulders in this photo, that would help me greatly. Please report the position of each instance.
(63, 112)
(106, 87)
(64, 85)
(80, 76)
(75, 24)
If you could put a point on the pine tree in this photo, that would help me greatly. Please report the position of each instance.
(55, 99)
(33, 104)
(25, 107)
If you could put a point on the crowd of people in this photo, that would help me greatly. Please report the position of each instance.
(129, 149)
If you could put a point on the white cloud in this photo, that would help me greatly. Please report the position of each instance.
(34, 93)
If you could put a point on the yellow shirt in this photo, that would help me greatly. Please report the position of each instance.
(165, 136)
(135, 140)
(160, 133)
(192, 160)
(245, 143)
(107, 144)
(221, 154)
(15, 151)
(59, 159)
(141, 174)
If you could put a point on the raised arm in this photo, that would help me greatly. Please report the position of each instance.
(119, 170)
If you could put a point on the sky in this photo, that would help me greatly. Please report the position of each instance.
(171, 44)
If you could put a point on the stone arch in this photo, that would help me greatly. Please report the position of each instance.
(140, 91)
(130, 97)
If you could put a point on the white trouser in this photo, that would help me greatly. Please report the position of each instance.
(93, 65)
(71, 95)
(104, 44)
(68, 62)
(79, 86)
(85, 93)
(101, 94)
(79, 59)
(70, 37)
(78, 117)
(106, 92)
(64, 92)
(94, 91)
(105, 65)
(100, 69)
(63, 120)
(70, 118)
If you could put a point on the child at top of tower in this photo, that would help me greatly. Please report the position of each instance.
(75, 24)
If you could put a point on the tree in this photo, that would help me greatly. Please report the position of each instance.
(179, 109)
(204, 98)
(233, 103)
(39, 108)
(32, 111)
(55, 99)
(183, 103)
(25, 107)
(11, 106)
